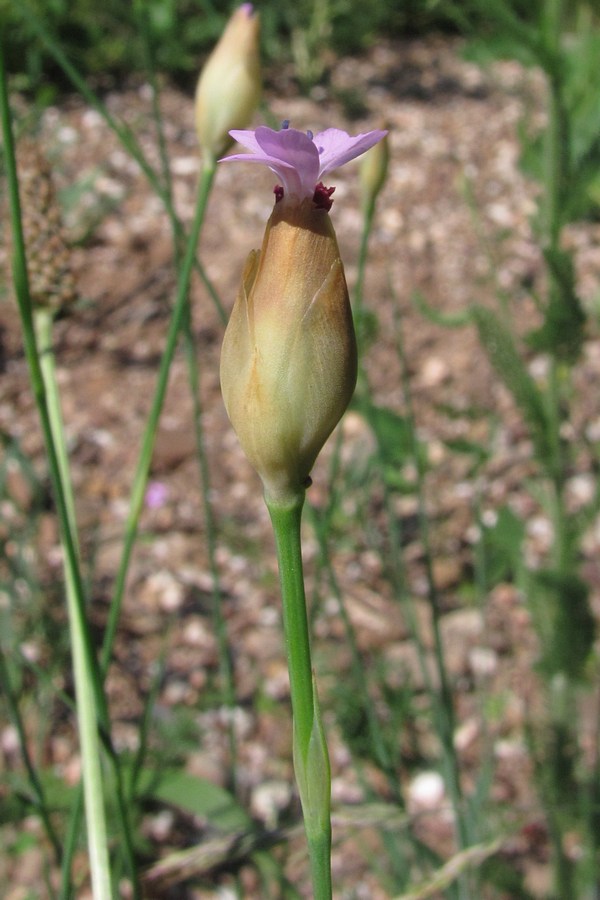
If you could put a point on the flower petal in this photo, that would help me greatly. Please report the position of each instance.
(336, 147)
(284, 171)
(295, 149)
(246, 139)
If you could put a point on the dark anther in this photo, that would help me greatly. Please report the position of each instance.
(278, 191)
(310, 135)
(307, 482)
(285, 124)
(322, 196)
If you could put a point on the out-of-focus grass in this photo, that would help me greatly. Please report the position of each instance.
(105, 42)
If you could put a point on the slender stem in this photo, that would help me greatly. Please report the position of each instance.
(89, 700)
(286, 525)
(90, 754)
(140, 477)
(43, 321)
(311, 761)
(368, 215)
(557, 179)
(225, 664)
(83, 653)
(444, 701)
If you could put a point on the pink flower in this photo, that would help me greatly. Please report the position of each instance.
(300, 160)
(157, 495)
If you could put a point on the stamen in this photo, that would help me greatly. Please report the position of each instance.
(278, 191)
(310, 135)
(322, 196)
(285, 124)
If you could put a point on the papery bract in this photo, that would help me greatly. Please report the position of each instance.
(288, 362)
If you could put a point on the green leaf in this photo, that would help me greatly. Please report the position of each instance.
(502, 544)
(394, 434)
(471, 448)
(196, 796)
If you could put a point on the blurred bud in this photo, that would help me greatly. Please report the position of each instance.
(374, 170)
(51, 281)
(288, 363)
(229, 86)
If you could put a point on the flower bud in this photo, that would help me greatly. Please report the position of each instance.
(373, 171)
(288, 362)
(229, 86)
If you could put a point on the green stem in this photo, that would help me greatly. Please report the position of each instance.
(441, 698)
(43, 320)
(140, 478)
(89, 701)
(368, 215)
(311, 760)
(225, 664)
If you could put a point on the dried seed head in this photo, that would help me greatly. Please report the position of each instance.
(51, 281)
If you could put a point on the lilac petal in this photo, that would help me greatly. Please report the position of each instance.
(284, 171)
(246, 139)
(294, 149)
(336, 147)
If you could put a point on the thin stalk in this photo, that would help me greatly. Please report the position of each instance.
(379, 744)
(225, 664)
(556, 179)
(226, 669)
(143, 467)
(140, 478)
(557, 176)
(311, 760)
(43, 321)
(89, 700)
(444, 702)
(142, 19)
(368, 216)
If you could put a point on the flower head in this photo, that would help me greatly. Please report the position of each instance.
(288, 362)
(301, 159)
